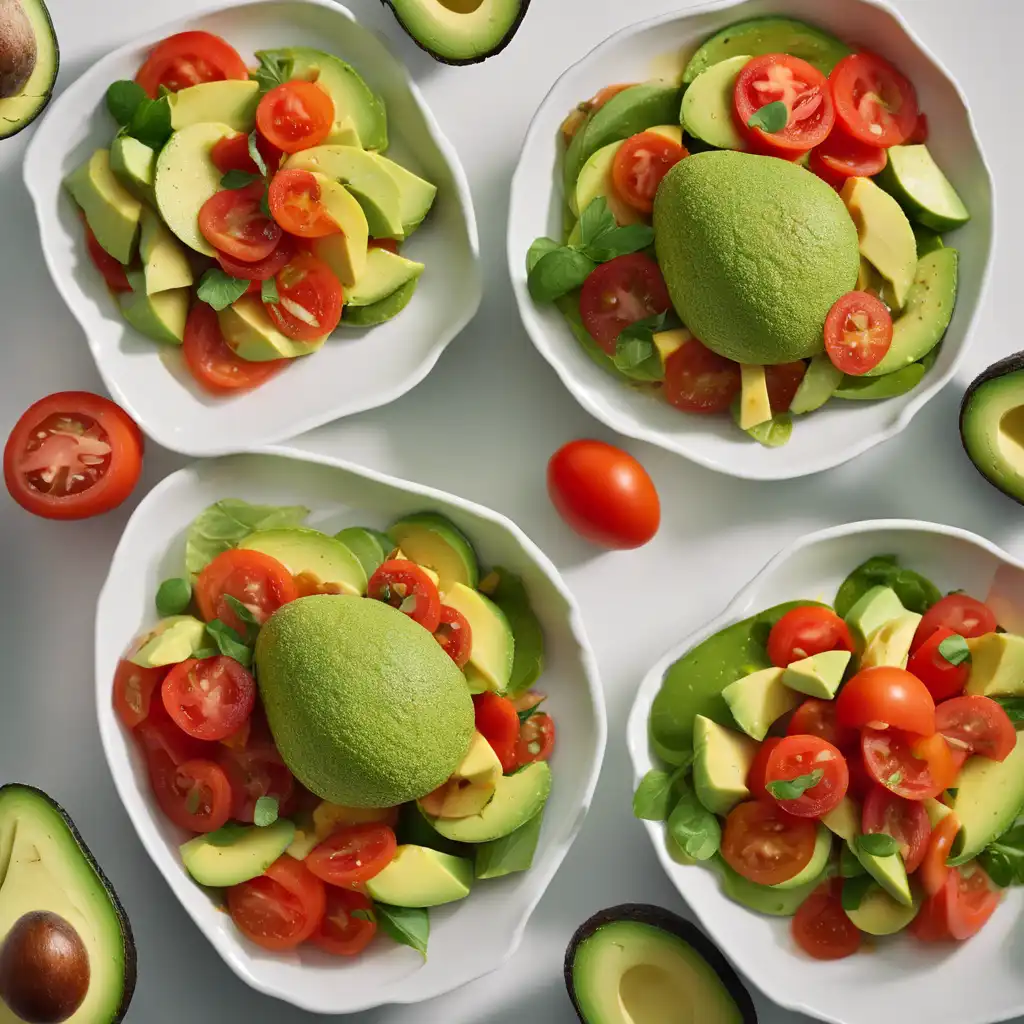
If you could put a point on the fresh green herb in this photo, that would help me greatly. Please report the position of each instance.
(226, 835)
(655, 796)
(1003, 860)
(235, 179)
(540, 248)
(223, 524)
(1014, 708)
(895, 779)
(229, 643)
(955, 650)
(877, 844)
(151, 122)
(849, 865)
(202, 653)
(854, 891)
(635, 352)
(265, 204)
(173, 596)
(273, 70)
(602, 239)
(265, 812)
(770, 118)
(916, 592)
(269, 292)
(220, 290)
(559, 272)
(243, 614)
(790, 789)
(694, 828)
(362, 915)
(596, 220)
(409, 926)
(528, 713)
(123, 99)
(256, 155)
(773, 433)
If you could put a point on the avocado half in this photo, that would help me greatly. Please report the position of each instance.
(638, 935)
(29, 61)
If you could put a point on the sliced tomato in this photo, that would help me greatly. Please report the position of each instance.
(941, 676)
(296, 204)
(209, 699)
(619, 293)
(930, 923)
(976, 725)
(261, 270)
(257, 581)
(295, 115)
(212, 362)
(133, 691)
(498, 722)
(958, 612)
(912, 767)
(884, 696)
(309, 301)
(536, 739)
(160, 738)
(861, 780)
(905, 820)
(801, 756)
(758, 774)
(257, 770)
(640, 164)
(404, 585)
(843, 156)
(806, 631)
(353, 855)
(72, 455)
(113, 271)
(190, 58)
(780, 78)
(821, 927)
(231, 153)
(818, 718)
(698, 380)
(783, 380)
(858, 332)
(968, 899)
(455, 635)
(874, 102)
(764, 844)
(280, 909)
(348, 924)
(934, 869)
(195, 795)
(233, 221)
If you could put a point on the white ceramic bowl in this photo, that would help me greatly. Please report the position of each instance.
(974, 982)
(467, 939)
(356, 369)
(658, 48)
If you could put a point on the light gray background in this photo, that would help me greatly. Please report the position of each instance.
(482, 425)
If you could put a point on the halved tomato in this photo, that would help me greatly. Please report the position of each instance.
(801, 759)
(295, 203)
(280, 909)
(260, 583)
(348, 924)
(905, 820)
(934, 869)
(455, 635)
(233, 221)
(874, 102)
(938, 673)
(764, 844)
(353, 855)
(640, 164)
(190, 58)
(884, 696)
(195, 795)
(821, 927)
(858, 332)
(295, 115)
(209, 699)
(619, 293)
(698, 380)
(841, 157)
(309, 300)
(211, 360)
(498, 722)
(976, 725)
(133, 691)
(404, 585)
(805, 631)
(961, 613)
(912, 767)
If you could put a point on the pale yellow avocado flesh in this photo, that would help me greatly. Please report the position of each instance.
(111, 211)
(493, 647)
(755, 406)
(472, 785)
(230, 102)
(759, 699)
(385, 272)
(890, 643)
(722, 760)
(164, 261)
(416, 195)
(997, 665)
(251, 334)
(420, 877)
(172, 640)
(345, 252)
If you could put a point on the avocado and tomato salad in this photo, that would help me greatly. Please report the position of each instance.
(760, 237)
(856, 767)
(345, 727)
(244, 214)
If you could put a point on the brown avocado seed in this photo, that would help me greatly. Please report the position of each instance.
(18, 48)
(44, 969)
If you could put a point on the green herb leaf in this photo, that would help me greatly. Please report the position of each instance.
(273, 70)
(790, 789)
(269, 292)
(1003, 860)
(220, 290)
(854, 891)
(559, 272)
(265, 812)
(849, 865)
(201, 653)
(362, 915)
(252, 626)
(655, 796)
(773, 433)
(895, 779)
(256, 155)
(409, 926)
(916, 592)
(694, 828)
(540, 248)
(525, 716)
(635, 352)
(619, 241)
(955, 650)
(173, 596)
(226, 835)
(229, 642)
(123, 99)
(771, 118)
(1014, 708)
(596, 220)
(877, 844)
(235, 179)
(151, 122)
(265, 204)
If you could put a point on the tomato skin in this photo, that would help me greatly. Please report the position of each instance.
(806, 631)
(254, 771)
(934, 871)
(190, 58)
(874, 103)
(920, 133)
(280, 909)
(619, 293)
(113, 271)
(764, 844)
(262, 270)
(911, 766)
(818, 718)
(414, 582)
(930, 923)
(969, 899)
(958, 612)
(842, 156)
(340, 933)
(308, 283)
(175, 786)
(604, 494)
(758, 774)
(209, 699)
(886, 696)
(578, 115)
(639, 166)
(800, 755)
(536, 739)
(820, 926)
(699, 380)
(232, 154)
(211, 361)
(160, 739)
(498, 722)
(455, 635)
(295, 115)
(133, 691)
(942, 678)
(295, 203)
(353, 855)
(853, 348)
(977, 725)
(78, 425)
(233, 222)
(905, 820)
(261, 583)
(783, 380)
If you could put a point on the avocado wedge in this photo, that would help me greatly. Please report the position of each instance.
(29, 59)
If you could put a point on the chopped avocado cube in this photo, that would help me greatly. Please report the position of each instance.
(873, 610)
(889, 872)
(816, 865)
(435, 542)
(420, 877)
(172, 640)
(232, 102)
(755, 406)
(880, 914)
(165, 263)
(997, 665)
(327, 817)
(920, 187)
(707, 110)
(818, 385)
(818, 675)
(305, 840)
(325, 561)
(759, 699)
(890, 643)
(844, 819)
(722, 760)
(384, 273)
(472, 785)
(235, 853)
(511, 853)
(492, 653)
(111, 211)
(667, 343)
(134, 164)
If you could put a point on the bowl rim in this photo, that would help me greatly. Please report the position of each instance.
(628, 425)
(737, 609)
(303, 422)
(406, 990)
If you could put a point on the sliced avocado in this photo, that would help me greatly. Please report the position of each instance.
(380, 312)
(30, 67)
(816, 865)
(230, 102)
(992, 425)
(879, 914)
(707, 112)
(134, 165)
(765, 899)
(434, 541)
(421, 877)
(385, 272)
(755, 407)
(759, 699)
(493, 651)
(508, 592)
(874, 389)
(818, 385)
(170, 641)
(889, 872)
(997, 665)
(819, 675)
(936, 811)
(722, 760)
(252, 335)
(871, 611)
(111, 211)
(235, 853)
(160, 317)
(414, 829)
(165, 263)
(890, 643)
(511, 853)
(344, 252)
(366, 546)
(50, 882)
(844, 819)
(308, 552)
(415, 194)
(916, 181)
(460, 31)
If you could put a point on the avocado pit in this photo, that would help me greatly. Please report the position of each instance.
(18, 48)
(1011, 435)
(461, 6)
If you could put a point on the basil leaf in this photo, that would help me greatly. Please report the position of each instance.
(694, 828)
(773, 433)
(220, 526)
(771, 118)
(265, 812)
(916, 592)
(849, 865)
(854, 891)
(226, 835)
(257, 156)
(619, 241)
(235, 179)
(220, 290)
(409, 926)
(525, 716)
(559, 272)
(635, 352)
(596, 220)
(1003, 860)
(265, 204)
(151, 122)
(955, 650)
(540, 248)
(205, 652)
(363, 915)
(123, 99)
(269, 292)
(252, 626)
(173, 596)
(229, 643)
(655, 796)
(273, 70)
(790, 789)
(877, 844)
(1014, 708)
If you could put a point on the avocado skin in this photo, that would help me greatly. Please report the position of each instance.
(130, 957)
(6, 133)
(658, 917)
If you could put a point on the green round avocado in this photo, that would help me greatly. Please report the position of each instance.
(755, 251)
(365, 707)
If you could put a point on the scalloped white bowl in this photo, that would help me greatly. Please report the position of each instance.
(468, 939)
(357, 369)
(843, 429)
(974, 982)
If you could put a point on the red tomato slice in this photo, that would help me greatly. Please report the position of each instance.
(806, 631)
(255, 771)
(195, 795)
(353, 855)
(261, 583)
(232, 154)
(295, 115)
(536, 739)
(820, 926)
(310, 299)
(262, 270)
(842, 156)
(976, 725)
(212, 362)
(818, 718)
(619, 293)
(233, 221)
(883, 696)
(934, 869)
(797, 756)
(498, 722)
(209, 699)
(942, 677)
(190, 58)
(783, 380)
(72, 455)
(758, 774)
(404, 585)
(905, 820)
(764, 844)
(280, 909)
(295, 202)
(969, 899)
(112, 270)
(874, 102)
(455, 635)
(348, 924)
(698, 380)
(133, 691)
(958, 612)
(858, 332)
(161, 739)
(930, 924)
(778, 77)
(896, 760)
(640, 164)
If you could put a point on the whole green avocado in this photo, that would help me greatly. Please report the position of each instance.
(365, 707)
(755, 250)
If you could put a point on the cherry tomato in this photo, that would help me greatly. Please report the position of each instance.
(190, 58)
(255, 771)
(699, 380)
(942, 677)
(764, 844)
(619, 293)
(934, 869)
(195, 795)
(72, 455)
(874, 102)
(231, 153)
(976, 725)
(212, 362)
(958, 612)
(310, 299)
(257, 581)
(905, 820)
(536, 739)
(861, 781)
(820, 926)
(778, 77)
(295, 115)
(930, 923)
(640, 164)
(296, 204)
(818, 718)
(455, 635)
(912, 767)
(498, 722)
(348, 925)
(233, 221)
(884, 696)
(783, 380)
(262, 270)
(841, 156)
(209, 699)
(404, 585)
(969, 899)
(604, 494)
(920, 134)
(353, 855)
(757, 776)
(580, 113)
(133, 691)
(280, 909)
(798, 756)
(161, 739)
(112, 270)
(805, 631)
(858, 332)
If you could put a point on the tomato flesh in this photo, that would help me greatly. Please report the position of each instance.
(960, 613)
(252, 579)
(764, 844)
(296, 204)
(187, 59)
(348, 924)
(233, 221)
(699, 380)
(309, 301)
(905, 820)
(969, 900)
(536, 739)
(976, 725)
(404, 585)
(619, 293)
(639, 166)
(280, 909)
(934, 869)
(133, 691)
(942, 678)
(498, 722)
(353, 855)
(874, 103)
(821, 928)
(805, 631)
(884, 696)
(254, 771)
(209, 699)
(895, 760)
(798, 756)
(213, 363)
(818, 718)
(195, 795)
(295, 115)
(858, 332)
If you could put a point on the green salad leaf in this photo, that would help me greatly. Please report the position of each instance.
(540, 248)
(256, 155)
(559, 272)
(265, 812)
(694, 828)
(955, 650)
(635, 352)
(151, 122)
(655, 797)
(877, 844)
(173, 597)
(235, 179)
(770, 118)
(269, 292)
(1003, 860)
(854, 891)
(273, 70)
(226, 522)
(916, 592)
(409, 926)
(229, 642)
(1014, 708)
(220, 290)
(849, 865)
(791, 789)
(123, 99)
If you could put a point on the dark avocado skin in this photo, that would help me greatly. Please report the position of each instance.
(524, 6)
(658, 917)
(49, 89)
(130, 959)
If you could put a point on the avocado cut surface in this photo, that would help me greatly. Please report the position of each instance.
(235, 853)
(160, 317)
(134, 165)
(818, 385)
(229, 102)
(880, 914)
(759, 699)
(434, 541)
(415, 194)
(997, 665)
(30, 70)
(111, 211)
(171, 641)
(460, 31)
(992, 425)
(889, 872)
(421, 877)
(722, 760)
(365, 545)
(707, 112)
(844, 819)
(305, 551)
(816, 865)
(382, 311)
(492, 652)
(872, 610)
(914, 179)
(252, 335)
(819, 675)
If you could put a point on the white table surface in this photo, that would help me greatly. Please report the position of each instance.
(498, 413)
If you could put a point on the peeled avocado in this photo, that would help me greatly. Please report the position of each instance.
(421, 877)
